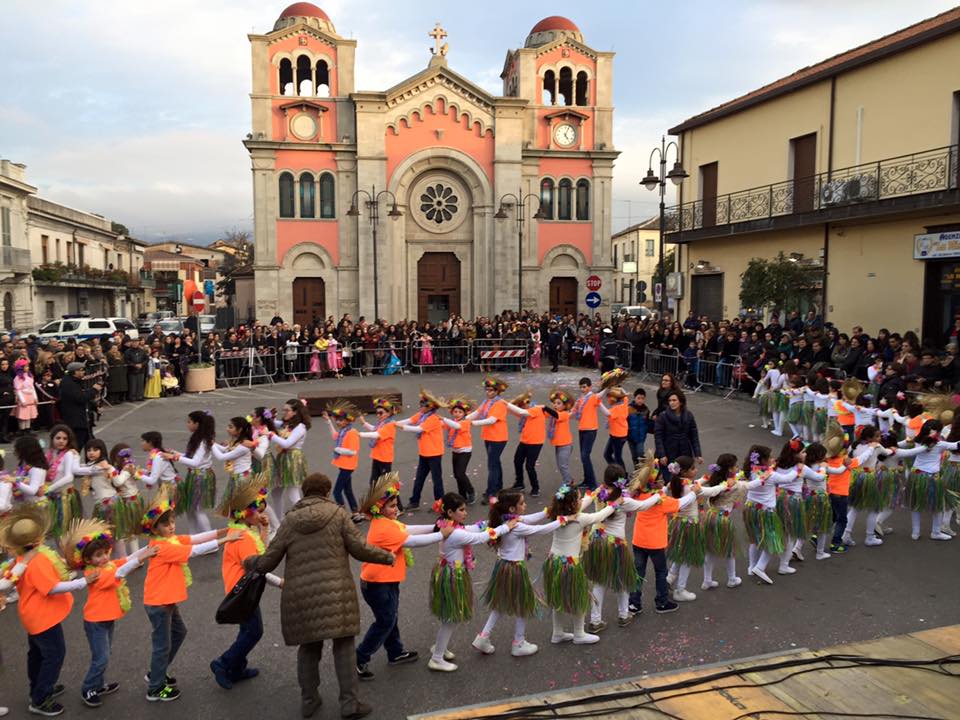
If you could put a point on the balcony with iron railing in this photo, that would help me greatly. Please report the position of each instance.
(143, 279)
(906, 183)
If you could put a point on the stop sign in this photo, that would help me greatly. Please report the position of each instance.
(594, 282)
(199, 301)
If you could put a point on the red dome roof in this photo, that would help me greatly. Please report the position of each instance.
(554, 22)
(304, 9)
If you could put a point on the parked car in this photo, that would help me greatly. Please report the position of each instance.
(146, 321)
(81, 328)
(127, 326)
(171, 325)
(638, 311)
(208, 324)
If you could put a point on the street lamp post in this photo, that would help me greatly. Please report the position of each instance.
(373, 210)
(651, 181)
(521, 202)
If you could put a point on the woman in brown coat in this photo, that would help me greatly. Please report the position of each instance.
(319, 597)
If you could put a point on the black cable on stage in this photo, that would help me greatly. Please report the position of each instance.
(549, 710)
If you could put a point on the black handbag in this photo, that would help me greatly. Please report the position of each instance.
(242, 600)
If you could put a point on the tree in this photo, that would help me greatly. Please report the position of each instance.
(668, 264)
(782, 284)
(239, 255)
(119, 229)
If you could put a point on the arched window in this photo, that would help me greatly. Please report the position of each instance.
(583, 199)
(323, 79)
(286, 195)
(549, 95)
(286, 77)
(546, 198)
(582, 89)
(566, 86)
(328, 198)
(564, 199)
(304, 76)
(307, 196)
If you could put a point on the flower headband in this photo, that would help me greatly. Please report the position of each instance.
(154, 512)
(605, 491)
(674, 468)
(258, 505)
(437, 506)
(563, 491)
(713, 467)
(754, 458)
(76, 557)
(390, 492)
(125, 454)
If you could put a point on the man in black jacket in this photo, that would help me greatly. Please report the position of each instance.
(554, 340)
(75, 402)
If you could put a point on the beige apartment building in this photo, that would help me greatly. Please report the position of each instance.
(635, 255)
(849, 165)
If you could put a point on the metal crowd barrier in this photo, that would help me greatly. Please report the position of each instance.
(499, 355)
(625, 354)
(439, 356)
(246, 365)
(657, 363)
(376, 361)
(721, 374)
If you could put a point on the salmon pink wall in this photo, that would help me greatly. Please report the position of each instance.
(324, 233)
(292, 45)
(327, 120)
(455, 134)
(305, 160)
(571, 167)
(578, 234)
(584, 127)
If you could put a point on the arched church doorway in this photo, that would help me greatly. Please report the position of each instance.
(563, 296)
(309, 300)
(438, 287)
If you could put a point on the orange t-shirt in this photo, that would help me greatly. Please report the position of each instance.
(618, 419)
(165, 583)
(38, 609)
(234, 553)
(915, 423)
(650, 526)
(498, 431)
(840, 484)
(587, 407)
(462, 438)
(561, 429)
(430, 441)
(844, 416)
(351, 441)
(103, 600)
(383, 447)
(389, 535)
(535, 428)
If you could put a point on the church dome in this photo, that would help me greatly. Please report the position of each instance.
(553, 28)
(307, 13)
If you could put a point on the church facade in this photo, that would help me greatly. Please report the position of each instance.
(403, 203)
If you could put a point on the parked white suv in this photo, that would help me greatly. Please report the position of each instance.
(84, 328)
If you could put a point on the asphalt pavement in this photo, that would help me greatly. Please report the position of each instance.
(900, 587)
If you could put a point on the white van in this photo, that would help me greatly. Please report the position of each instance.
(84, 328)
(637, 311)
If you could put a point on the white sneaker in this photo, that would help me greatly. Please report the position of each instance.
(585, 639)
(946, 529)
(709, 584)
(778, 433)
(848, 541)
(749, 571)
(786, 570)
(763, 576)
(823, 555)
(558, 638)
(523, 648)
(671, 579)
(940, 536)
(483, 644)
(441, 665)
(886, 530)
(914, 536)
(734, 582)
(871, 541)
(798, 553)
(448, 655)
(12, 597)
(683, 595)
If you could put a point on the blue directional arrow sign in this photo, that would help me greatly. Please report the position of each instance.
(592, 299)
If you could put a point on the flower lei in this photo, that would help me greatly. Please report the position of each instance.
(6, 572)
(468, 560)
(174, 540)
(255, 536)
(56, 560)
(123, 591)
(605, 492)
(22, 473)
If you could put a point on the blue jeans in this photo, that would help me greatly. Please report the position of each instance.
(100, 638)
(45, 654)
(378, 468)
(587, 439)
(526, 456)
(838, 503)
(384, 600)
(344, 487)
(659, 559)
(636, 450)
(234, 659)
(428, 465)
(494, 469)
(167, 637)
(613, 451)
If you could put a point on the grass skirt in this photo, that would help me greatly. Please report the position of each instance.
(64, 506)
(807, 413)
(198, 489)
(232, 481)
(820, 421)
(925, 491)
(819, 514)
(128, 516)
(764, 528)
(451, 593)
(793, 514)
(687, 544)
(510, 591)
(292, 468)
(565, 585)
(866, 490)
(718, 533)
(795, 413)
(106, 510)
(608, 561)
(951, 476)
(767, 404)
(267, 472)
(782, 402)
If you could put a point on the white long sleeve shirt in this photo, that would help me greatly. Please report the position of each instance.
(239, 454)
(202, 458)
(616, 524)
(868, 455)
(513, 545)
(765, 494)
(804, 473)
(294, 441)
(421, 535)
(64, 478)
(735, 494)
(689, 509)
(451, 549)
(101, 481)
(926, 459)
(953, 456)
(567, 539)
(161, 471)
(821, 401)
(36, 477)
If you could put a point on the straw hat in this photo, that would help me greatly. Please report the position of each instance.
(851, 389)
(940, 406)
(462, 402)
(833, 440)
(80, 534)
(387, 487)
(388, 403)
(495, 383)
(25, 526)
(343, 410)
(523, 399)
(645, 473)
(616, 393)
(613, 377)
(431, 400)
(563, 396)
(248, 498)
(159, 505)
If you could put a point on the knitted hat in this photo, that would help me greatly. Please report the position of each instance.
(24, 526)
(343, 410)
(461, 402)
(390, 404)
(159, 505)
(430, 400)
(387, 487)
(248, 498)
(80, 534)
(613, 377)
(563, 396)
(495, 383)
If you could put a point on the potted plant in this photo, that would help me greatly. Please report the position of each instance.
(201, 377)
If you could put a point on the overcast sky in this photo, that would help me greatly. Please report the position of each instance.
(136, 110)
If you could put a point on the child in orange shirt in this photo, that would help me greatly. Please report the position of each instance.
(429, 428)
(245, 511)
(533, 433)
(45, 601)
(87, 546)
(459, 439)
(585, 412)
(168, 577)
(381, 437)
(346, 452)
(558, 431)
(616, 416)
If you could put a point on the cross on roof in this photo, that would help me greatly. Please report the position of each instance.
(438, 34)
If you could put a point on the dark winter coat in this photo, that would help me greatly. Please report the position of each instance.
(319, 596)
(75, 402)
(676, 435)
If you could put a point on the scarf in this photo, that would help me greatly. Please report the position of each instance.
(187, 575)
(524, 418)
(341, 434)
(581, 403)
(484, 410)
(551, 426)
(451, 437)
(374, 441)
(422, 416)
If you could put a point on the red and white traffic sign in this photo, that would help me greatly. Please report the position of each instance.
(199, 301)
(594, 282)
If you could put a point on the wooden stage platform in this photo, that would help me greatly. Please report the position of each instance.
(813, 685)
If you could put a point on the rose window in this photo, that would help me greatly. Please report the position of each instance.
(438, 203)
